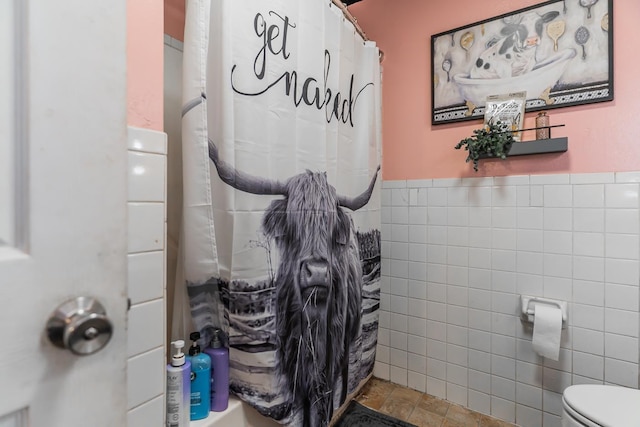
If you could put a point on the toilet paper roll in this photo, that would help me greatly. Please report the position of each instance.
(547, 326)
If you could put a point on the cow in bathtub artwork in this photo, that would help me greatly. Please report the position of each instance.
(514, 54)
(508, 58)
(533, 50)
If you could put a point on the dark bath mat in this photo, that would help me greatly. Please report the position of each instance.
(357, 415)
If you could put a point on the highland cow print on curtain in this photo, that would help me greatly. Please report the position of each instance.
(281, 239)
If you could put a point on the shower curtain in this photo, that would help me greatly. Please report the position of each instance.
(280, 244)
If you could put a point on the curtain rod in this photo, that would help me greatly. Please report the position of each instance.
(351, 18)
(354, 21)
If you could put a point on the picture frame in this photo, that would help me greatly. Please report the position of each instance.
(560, 52)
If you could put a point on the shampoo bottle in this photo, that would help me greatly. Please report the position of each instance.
(178, 387)
(220, 377)
(200, 380)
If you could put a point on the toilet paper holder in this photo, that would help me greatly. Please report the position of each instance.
(528, 305)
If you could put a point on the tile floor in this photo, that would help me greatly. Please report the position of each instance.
(419, 408)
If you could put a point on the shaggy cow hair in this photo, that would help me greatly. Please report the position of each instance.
(314, 324)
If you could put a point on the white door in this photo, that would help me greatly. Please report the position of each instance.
(62, 208)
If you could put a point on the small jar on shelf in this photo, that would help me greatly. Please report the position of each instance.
(542, 123)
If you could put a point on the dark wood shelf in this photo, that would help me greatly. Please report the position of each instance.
(538, 146)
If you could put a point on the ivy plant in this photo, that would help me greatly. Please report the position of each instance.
(493, 140)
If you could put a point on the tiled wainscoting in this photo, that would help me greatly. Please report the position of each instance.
(457, 253)
(147, 231)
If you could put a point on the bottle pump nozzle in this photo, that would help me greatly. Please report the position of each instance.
(178, 357)
(215, 342)
(195, 348)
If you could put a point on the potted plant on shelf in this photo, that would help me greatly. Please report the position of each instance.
(493, 140)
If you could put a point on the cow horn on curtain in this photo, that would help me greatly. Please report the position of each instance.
(281, 223)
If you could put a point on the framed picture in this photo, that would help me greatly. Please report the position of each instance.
(559, 52)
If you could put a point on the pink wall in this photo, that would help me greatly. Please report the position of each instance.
(145, 46)
(174, 11)
(602, 137)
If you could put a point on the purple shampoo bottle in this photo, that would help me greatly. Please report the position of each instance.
(220, 375)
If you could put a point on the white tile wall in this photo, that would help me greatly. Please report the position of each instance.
(457, 253)
(150, 414)
(147, 284)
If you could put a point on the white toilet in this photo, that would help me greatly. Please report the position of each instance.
(600, 406)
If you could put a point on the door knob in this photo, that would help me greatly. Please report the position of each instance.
(80, 325)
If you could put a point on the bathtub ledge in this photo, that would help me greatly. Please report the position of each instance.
(238, 414)
(232, 416)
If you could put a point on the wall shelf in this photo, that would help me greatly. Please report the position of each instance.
(538, 146)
